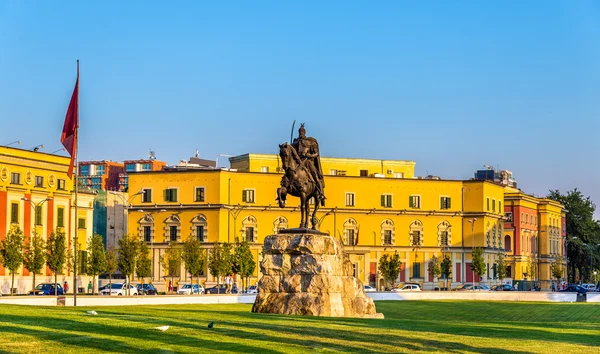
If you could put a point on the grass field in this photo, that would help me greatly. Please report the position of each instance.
(409, 326)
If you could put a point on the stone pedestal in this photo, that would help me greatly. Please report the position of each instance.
(308, 273)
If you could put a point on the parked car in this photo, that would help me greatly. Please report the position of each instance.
(369, 289)
(119, 289)
(146, 289)
(471, 287)
(188, 289)
(574, 289)
(46, 289)
(252, 289)
(220, 289)
(503, 287)
(589, 287)
(408, 287)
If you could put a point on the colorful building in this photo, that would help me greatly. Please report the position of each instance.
(375, 207)
(37, 195)
(150, 164)
(100, 175)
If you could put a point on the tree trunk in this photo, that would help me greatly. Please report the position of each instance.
(12, 284)
(56, 284)
(33, 283)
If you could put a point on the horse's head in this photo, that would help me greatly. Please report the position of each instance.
(286, 154)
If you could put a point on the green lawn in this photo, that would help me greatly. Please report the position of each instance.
(409, 326)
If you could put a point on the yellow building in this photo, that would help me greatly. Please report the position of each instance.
(372, 214)
(36, 194)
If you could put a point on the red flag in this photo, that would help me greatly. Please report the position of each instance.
(69, 132)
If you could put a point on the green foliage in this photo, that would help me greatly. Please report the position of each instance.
(220, 261)
(143, 267)
(243, 260)
(194, 257)
(34, 257)
(556, 268)
(501, 266)
(389, 268)
(11, 252)
(446, 267)
(127, 255)
(434, 267)
(56, 253)
(170, 261)
(96, 259)
(477, 263)
(580, 223)
(531, 267)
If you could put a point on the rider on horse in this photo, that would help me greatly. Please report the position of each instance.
(308, 151)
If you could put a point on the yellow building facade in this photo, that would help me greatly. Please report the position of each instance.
(372, 215)
(37, 196)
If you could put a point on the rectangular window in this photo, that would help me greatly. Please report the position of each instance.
(62, 185)
(414, 201)
(349, 199)
(522, 220)
(15, 178)
(333, 172)
(39, 181)
(445, 203)
(386, 200)
(364, 173)
(527, 218)
(264, 169)
(81, 223)
(173, 233)
(130, 167)
(508, 216)
(199, 194)
(146, 195)
(147, 234)
(171, 195)
(416, 238)
(147, 167)
(500, 207)
(60, 217)
(387, 237)
(351, 237)
(248, 195)
(416, 270)
(14, 213)
(82, 262)
(398, 174)
(536, 220)
(444, 238)
(84, 170)
(488, 204)
(493, 205)
(38, 215)
(250, 234)
(200, 233)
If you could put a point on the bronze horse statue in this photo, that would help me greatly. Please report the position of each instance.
(297, 181)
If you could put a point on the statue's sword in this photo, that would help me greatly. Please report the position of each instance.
(292, 133)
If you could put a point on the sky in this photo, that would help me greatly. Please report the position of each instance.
(451, 85)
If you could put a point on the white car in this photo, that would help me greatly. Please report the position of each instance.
(119, 289)
(188, 289)
(408, 287)
(369, 289)
(252, 289)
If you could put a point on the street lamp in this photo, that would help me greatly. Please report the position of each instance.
(35, 205)
(14, 142)
(567, 254)
(591, 248)
(125, 208)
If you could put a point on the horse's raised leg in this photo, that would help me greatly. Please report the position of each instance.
(314, 220)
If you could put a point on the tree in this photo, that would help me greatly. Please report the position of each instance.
(171, 260)
(111, 264)
(11, 252)
(56, 254)
(446, 270)
(556, 268)
(477, 263)
(143, 267)
(531, 268)
(390, 268)
(501, 267)
(127, 256)
(96, 260)
(35, 255)
(243, 261)
(220, 262)
(194, 258)
(434, 267)
(580, 224)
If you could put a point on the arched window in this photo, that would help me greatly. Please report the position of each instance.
(494, 236)
(487, 235)
(199, 228)
(388, 234)
(249, 231)
(416, 236)
(444, 234)
(173, 229)
(146, 228)
(507, 243)
(499, 234)
(350, 232)
(279, 224)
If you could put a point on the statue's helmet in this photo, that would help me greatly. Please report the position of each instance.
(302, 130)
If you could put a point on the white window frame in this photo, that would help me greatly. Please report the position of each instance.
(391, 200)
(195, 193)
(445, 196)
(245, 191)
(418, 199)
(173, 201)
(353, 199)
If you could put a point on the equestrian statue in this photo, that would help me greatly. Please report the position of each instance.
(303, 176)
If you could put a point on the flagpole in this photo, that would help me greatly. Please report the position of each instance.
(76, 236)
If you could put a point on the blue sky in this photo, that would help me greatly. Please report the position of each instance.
(452, 85)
